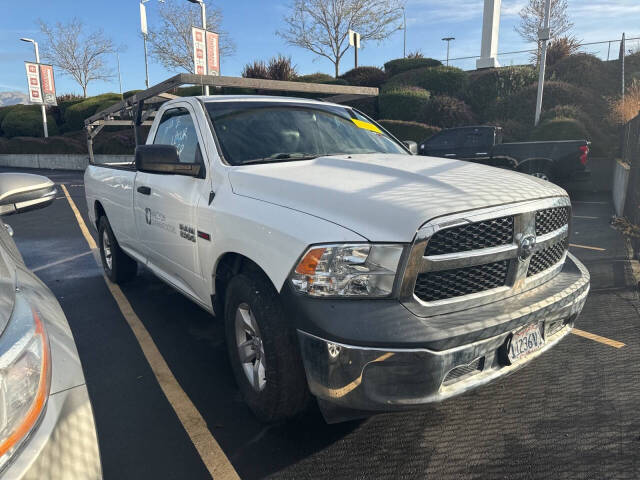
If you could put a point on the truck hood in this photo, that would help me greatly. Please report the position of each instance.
(382, 197)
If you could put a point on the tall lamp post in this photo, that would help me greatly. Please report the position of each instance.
(404, 28)
(42, 107)
(203, 11)
(448, 40)
(543, 36)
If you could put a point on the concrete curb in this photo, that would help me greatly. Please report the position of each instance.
(58, 161)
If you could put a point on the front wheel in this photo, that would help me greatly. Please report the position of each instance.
(263, 349)
(118, 266)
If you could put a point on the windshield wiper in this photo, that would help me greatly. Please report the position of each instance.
(281, 157)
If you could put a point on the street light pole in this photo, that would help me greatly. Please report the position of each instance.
(448, 40)
(42, 107)
(404, 48)
(203, 12)
(119, 75)
(543, 36)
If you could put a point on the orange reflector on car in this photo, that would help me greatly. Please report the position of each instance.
(309, 262)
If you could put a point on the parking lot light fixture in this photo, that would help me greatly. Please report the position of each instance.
(42, 107)
(448, 40)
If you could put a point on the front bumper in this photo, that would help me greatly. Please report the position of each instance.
(63, 445)
(463, 352)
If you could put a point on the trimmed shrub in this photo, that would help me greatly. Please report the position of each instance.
(27, 122)
(489, 85)
(585, 71)
(33, 145)
(438, 80)
(365, 77)
(320, 78)
(403, 103)
(418, 132)
(560, 129)
(4, 111)
(446, 112)
(400, 65)
(522, 105)
(560, 48)
(75, 115)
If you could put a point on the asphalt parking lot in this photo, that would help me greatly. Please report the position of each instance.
(573, 413)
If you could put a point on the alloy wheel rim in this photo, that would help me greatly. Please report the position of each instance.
(541, 175)
(250, 347)
(106, 246)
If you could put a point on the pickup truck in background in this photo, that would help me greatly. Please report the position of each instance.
(343, 266)
(555, 161)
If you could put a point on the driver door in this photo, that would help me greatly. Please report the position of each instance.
(166, 204)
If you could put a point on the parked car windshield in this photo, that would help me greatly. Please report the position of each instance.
(264, 132)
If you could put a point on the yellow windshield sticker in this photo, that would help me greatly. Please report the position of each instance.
(366, 125)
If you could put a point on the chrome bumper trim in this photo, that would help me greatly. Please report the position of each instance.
(379, 379)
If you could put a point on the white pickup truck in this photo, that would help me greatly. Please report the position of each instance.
(343, 266)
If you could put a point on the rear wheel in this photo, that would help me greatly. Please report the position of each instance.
(118, 266)
(263, 349)
(542, 169)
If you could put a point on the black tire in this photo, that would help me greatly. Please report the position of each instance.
(122, 268)
(285, 393)
(542, 169)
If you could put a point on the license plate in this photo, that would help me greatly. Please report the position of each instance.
(524, 342)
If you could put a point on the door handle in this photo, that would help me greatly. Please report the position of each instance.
(144, 190)
(450, 154)
(482, 153)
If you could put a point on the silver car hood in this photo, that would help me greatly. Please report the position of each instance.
(385, 198)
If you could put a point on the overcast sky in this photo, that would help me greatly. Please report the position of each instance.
(253, 23)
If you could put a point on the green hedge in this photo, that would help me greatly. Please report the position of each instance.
(487, 86)
(438, 80)
(418, 132)
(33, 145)
(446, 112)
(586, 71)
(400, 65)
(403, 103)
(560, 129)
(76, 114)
(521, 106)
(365, 77)
(320, 78)
(27, 122)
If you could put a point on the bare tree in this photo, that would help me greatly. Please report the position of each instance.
(79, 54)
(322, 26)
(532, 19)
(171, 42)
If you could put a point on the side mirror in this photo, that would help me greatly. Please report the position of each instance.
(21, 192)
(163, 159)
(412, 146)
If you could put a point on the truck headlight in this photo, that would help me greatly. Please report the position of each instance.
(358, 270)
(24, 377)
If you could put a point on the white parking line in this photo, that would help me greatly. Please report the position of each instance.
(58, 262)
(196, 427)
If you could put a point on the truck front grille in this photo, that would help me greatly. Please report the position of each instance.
(432, 286)
(551, 219)
(456, 267)
(472, 236)
(547, 258)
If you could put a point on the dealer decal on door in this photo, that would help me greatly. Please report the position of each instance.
(158, 219)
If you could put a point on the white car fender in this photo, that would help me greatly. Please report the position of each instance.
(272, 236)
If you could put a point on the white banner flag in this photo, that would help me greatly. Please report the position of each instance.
(199, 51)
(33, 81)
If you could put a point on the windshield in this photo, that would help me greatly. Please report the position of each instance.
(263, 132)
